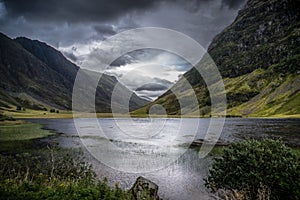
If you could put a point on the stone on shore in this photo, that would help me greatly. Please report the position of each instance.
(144, 189)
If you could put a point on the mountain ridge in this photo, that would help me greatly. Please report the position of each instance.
(258, 56)
(35, 75)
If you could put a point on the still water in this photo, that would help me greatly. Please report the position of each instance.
(123, 149)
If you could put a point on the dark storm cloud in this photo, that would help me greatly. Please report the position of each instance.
(105, 29)
(92, 10)
(64, 22)
(163, 82)
(74, 10)
(143, 55)
(233, 4)
(121, 61)
(195, 5)
(152, 87)
(146, 97)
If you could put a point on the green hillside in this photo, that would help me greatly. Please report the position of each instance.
(258, 56)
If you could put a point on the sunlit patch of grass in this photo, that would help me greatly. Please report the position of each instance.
(274, 99)
(22, 131)
(29, 113)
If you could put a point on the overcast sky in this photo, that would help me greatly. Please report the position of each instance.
(77, 27)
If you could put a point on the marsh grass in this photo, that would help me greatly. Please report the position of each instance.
(21, 131)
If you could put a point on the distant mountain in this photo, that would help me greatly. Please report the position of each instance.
(37, 76)
(258, 56)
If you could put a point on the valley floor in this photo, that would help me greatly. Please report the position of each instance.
(69, 114)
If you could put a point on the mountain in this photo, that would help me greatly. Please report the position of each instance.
(258, 56)
(36, 76)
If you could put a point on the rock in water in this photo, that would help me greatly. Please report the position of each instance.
(144, 189)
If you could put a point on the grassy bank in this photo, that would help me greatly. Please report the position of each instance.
(19, 130)
(32, 169)
(18, 136)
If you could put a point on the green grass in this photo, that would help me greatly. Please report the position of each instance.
(20, 136)
(278, 96)
(29, 113)
(23, 131)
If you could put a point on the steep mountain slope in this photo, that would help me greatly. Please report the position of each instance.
(35, 75)
(258, 56)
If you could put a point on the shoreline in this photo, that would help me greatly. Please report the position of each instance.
(67, 114)
(33, 114)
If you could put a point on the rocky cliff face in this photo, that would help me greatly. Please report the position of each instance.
(258, 56)
(263, 34)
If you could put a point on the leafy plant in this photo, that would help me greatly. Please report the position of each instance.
(249, 165)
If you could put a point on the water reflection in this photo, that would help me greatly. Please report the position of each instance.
(181, 179)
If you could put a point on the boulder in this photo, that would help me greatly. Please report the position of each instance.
(144, 189)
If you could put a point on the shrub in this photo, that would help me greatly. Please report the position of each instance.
(251, 165)
(52, 110)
